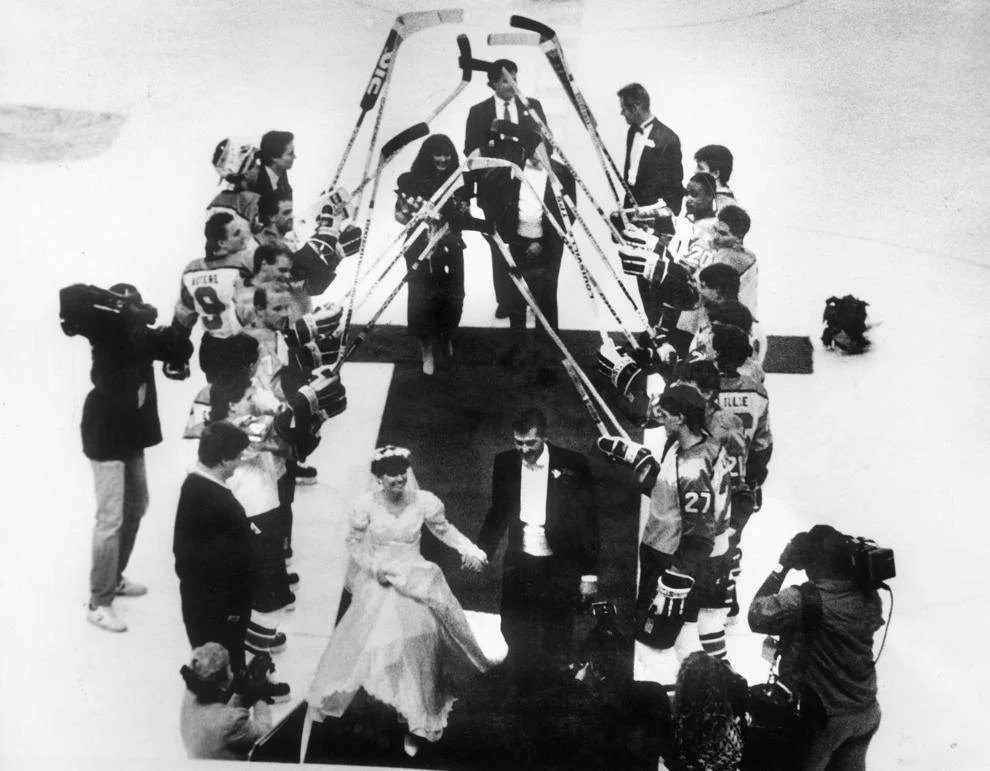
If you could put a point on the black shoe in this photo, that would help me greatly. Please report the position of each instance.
(501, 312)
(277, 693)
(272, 604)
(257, 644)
(292, 578)
(305, 475)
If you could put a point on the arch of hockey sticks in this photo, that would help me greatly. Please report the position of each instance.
(638, 248)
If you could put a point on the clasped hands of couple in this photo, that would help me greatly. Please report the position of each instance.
(390, 576)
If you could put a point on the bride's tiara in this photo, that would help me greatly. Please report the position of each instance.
(390, 451)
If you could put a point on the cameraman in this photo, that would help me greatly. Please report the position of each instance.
(216, 721)
(119, 420)
(826, 628)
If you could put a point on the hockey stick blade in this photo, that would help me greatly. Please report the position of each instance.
(464, 61)
(522, 22)
(403, 138)
(513, 39)
(409, 23)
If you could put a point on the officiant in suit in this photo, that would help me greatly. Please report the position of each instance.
(504, 106)
(542, 497)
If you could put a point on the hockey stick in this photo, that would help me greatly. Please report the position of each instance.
(405, 25)
(550, 45)
(514, 274)
(549, 138)
(347, 352)
(589, 405)
(513, 39)
(333, 196)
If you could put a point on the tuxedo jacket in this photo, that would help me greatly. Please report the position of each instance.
(262, 184)
(498, 197)
(481, 115)
(571, 518)
(660, 173)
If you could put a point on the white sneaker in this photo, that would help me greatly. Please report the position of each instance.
(129, 588)
(104, 617)
(428, 367)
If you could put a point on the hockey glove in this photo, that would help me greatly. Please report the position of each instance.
(620, 369)
(321, 322)
(638, 262)
(674, 285)
(673, 588)
(743, 506)
(350, 240)
(615, 448)
(324, 393)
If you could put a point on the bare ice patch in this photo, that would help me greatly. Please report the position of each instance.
(54, 135)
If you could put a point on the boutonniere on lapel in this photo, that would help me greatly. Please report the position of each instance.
(556, 473)
(649, 143)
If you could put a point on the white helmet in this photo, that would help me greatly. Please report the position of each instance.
(233, 158)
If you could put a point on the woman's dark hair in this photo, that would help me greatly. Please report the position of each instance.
(219, 442)
(422, 167)
(684, 400)
(390, 460)
(703, 705)
(273, 145)
(732, 348)
(225, 391)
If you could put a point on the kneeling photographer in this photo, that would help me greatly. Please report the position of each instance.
(826, 627)
(216, 719)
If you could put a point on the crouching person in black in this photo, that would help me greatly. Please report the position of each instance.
(222, 717)
(826, 628)
(119, 420)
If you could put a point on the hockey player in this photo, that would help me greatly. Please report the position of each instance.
(237, 164)
(731, 226)
(742, 394)
(679, 531)
(275, 216)
(695, 230)
(717, 161)
(210, 286)
(716, 589)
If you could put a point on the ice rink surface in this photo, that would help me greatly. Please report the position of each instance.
(859, 131)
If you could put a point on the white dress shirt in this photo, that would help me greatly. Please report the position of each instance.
(500, 106)
(640, 138)
(533, 505)
(531, 191)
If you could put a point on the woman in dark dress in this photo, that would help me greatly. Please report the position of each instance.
(436, 287)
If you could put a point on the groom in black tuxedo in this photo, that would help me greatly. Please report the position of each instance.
(542, 494)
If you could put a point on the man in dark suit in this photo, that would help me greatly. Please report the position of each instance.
(542, 495)
(653, 172)
(516, 210)
(502, 105)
